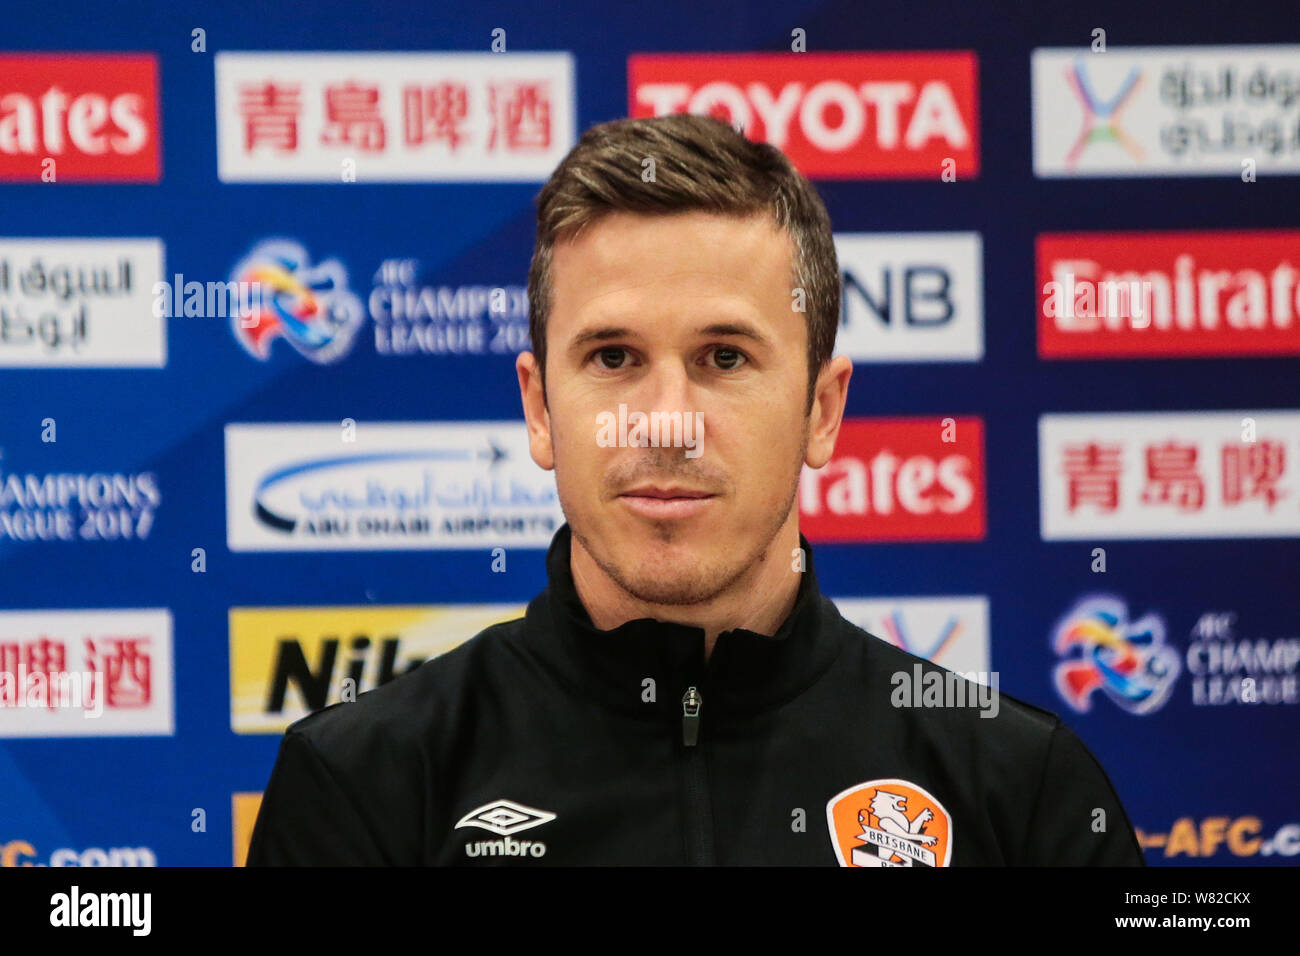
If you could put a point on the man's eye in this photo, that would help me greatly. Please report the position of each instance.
(728, 359)
(612, 358)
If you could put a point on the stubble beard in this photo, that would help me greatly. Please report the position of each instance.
(701, 581)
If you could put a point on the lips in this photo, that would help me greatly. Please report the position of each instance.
(651, 491)
(666, 503)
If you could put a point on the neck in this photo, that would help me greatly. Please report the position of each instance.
(759, 600)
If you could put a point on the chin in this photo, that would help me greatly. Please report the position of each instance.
(676, 589)
(669, 532)
(682, 573)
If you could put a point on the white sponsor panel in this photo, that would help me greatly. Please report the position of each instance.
(408, 485)
(86, 673)
(1169, 475)
(953, 632)
(1166, 111)
(83, 303)
(416, 117)
(911, 297)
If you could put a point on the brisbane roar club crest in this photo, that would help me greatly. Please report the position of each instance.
(889, 823)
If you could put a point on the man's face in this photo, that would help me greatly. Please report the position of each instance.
(688, 314)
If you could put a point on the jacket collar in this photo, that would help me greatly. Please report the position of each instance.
(747, 672)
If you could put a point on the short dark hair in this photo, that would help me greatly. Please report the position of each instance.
(700, 163)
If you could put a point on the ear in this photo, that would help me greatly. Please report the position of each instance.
(829, 396)
(535, 412)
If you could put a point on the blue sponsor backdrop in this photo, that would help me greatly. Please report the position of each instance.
(1183, 761)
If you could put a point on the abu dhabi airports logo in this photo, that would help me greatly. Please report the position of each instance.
(417, 485)
(404, 500)
(1128, 661)
(309, 306)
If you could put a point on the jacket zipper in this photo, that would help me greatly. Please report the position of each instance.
(691, 703)
(699, 822)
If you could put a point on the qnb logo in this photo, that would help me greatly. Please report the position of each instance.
(1127, 661)
(1096, 110)
(923, 298)
(505, 817)
(309, 306)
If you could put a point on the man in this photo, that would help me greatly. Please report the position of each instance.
(681, 693)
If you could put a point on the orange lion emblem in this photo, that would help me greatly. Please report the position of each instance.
(889, 823)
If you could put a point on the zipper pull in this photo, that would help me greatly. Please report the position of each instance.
(691, 704)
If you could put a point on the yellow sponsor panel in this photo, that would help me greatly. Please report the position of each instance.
(243, 815)
(286, 662)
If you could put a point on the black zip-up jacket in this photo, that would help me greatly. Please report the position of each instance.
(545, 741)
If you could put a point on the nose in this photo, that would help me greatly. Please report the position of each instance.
(667, 388)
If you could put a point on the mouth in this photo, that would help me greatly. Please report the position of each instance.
(670, 502)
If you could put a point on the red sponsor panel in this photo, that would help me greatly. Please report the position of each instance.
(835, 115)
(1169, 294)
(95, 115)
(898, 479)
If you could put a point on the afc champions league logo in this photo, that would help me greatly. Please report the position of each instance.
(309, 306)
(1128, 661)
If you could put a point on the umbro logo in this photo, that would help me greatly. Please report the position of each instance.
(505, 817)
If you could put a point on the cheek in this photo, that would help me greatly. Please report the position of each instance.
(766, 455)
(762, 431)
(580, 461)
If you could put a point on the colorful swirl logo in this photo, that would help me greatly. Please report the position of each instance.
(309, 306)
(1127, 661)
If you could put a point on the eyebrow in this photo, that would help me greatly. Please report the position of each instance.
(600, 334)
(606, 332)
